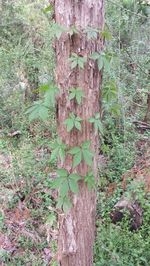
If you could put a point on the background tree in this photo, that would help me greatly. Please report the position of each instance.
(77, 227)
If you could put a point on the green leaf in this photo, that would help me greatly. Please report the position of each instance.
(86, 144)
(73, 186)
(97, 115)
(54, 154)
(90, 180)
(100, 63)
(44, 87)
(43, 113)
(77, 159)
(67, 205)
(79, 119)
(51, 219)
(56, 183)
(57, 30)
(78, 125)
(72, 122)
(64, 188)
(50, 95)
(62, 154)
(74, 176)
(76, 93)
(92, 120)
(69, 123)
(106, 34)
(88, 157)
(74, 64)
(91, 33)
(48, 9)
(74, 150)
(77, 61)
(62, 172)
(95, 56)
(59, 150)
(59, 203)
(72, 95)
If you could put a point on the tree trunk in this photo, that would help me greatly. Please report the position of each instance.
(77, 227)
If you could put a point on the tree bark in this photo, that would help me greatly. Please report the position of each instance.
(77, 227)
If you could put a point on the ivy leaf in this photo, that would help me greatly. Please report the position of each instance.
(59, 150)
(54, 154)
(77, 159)
(56, 183)
(76, 177)
(91, 33)
(86, 144)
(73, 186)
(89, 179)
(100, 63)
(62, 172)
(67, 205)
(57, 30)
(72, 95)
(74, 150)
(59, 203)
(77, 125)
(81, 62)
(77, 61)
(95, 56)
(97, 123)
(64, 188)
(76, 93)
(73, 121)
(88, 157)
(103, 60)
(69, 123)
(50, 95)
(110, 91)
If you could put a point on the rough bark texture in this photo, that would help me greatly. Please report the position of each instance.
(76, 232)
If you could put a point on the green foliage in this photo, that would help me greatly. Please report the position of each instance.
(97, 123)
(77, 94)
(73, 122)
(106, 34)
(82, 152)
(110, 98)
(48, 9)
(103, 60)
(57, 30)
(59, 150)
(65, 182)
(91, 33)
(116, 244)
(90, 180)
(77, 61)
(40, 109)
